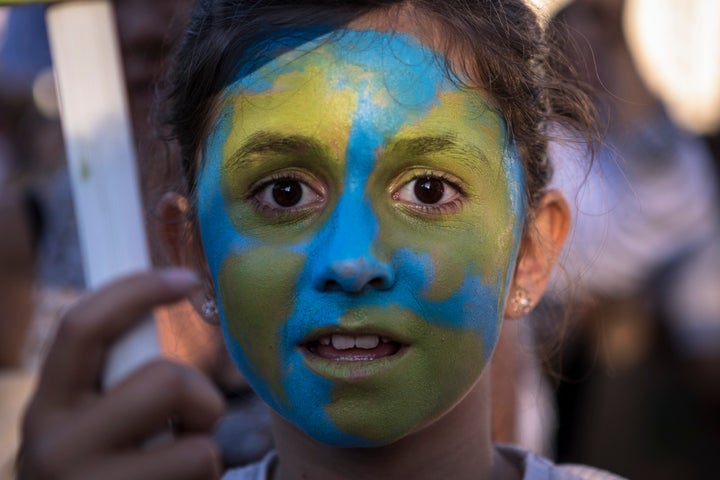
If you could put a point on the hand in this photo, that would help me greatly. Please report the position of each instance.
(72, 430)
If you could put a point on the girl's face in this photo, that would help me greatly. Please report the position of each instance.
(361, 216)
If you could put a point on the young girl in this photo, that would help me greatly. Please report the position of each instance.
(365, 198)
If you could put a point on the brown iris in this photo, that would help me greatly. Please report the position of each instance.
(429, 190)
(287, 193)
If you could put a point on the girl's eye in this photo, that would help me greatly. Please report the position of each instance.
(429, 193)
(286, 194)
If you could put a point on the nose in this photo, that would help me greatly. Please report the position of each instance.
(354, 275)
(345, 258)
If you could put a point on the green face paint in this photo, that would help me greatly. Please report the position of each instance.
(361, 217)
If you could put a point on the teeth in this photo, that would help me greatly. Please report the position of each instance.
(367, 341)
(343, 342)
(346, 342)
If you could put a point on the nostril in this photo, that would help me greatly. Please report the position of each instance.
(379, 283)
(331, 286)
(354, 276)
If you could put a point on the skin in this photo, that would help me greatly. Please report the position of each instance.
(356, 118)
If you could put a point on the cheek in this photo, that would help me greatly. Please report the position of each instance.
(457, 275)
(470, 275)
(257, 291)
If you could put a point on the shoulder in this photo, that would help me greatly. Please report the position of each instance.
(536, 467)
(255, 471)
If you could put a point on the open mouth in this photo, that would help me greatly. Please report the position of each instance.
(352, 348)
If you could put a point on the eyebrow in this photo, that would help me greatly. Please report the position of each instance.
(425, 145)
(270, 142)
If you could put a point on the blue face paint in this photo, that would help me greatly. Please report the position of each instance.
(353, 124)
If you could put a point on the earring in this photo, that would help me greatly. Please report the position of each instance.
(522, 303)
(209, 309)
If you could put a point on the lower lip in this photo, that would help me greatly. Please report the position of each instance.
(352, 367)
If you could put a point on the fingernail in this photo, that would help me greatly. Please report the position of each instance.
(181, 277)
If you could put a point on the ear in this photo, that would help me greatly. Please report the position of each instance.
(181, 244)
(547, 229)
(174, 228)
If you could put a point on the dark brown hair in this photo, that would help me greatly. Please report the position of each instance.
(502, 46)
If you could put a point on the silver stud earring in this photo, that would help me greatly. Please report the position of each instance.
(209, 309)
(522, 303)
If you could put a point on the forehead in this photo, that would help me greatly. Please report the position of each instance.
(365, 85)
(390, 60)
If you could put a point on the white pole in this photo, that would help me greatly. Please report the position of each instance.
(101, 158)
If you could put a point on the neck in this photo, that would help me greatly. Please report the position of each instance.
(458, 446)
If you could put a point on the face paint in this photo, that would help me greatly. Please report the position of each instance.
(361, 216)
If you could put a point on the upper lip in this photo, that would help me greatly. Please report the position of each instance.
(318, 333)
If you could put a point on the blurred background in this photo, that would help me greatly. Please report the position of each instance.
(635, 375)
(623, 354)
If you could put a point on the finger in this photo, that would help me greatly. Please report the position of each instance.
(75, 360)
(125, 418)
(140, 406)
(190, 458)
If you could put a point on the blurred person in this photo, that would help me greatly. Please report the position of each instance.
(20, 230)
(20, 214)
(644, 261)
(21, 227)
(21, 222)
(34, 144)
(16, 256)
